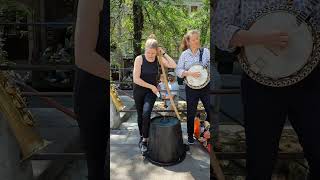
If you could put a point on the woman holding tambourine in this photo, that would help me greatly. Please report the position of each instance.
(193, 55)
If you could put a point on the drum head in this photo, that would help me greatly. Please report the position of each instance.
(281, 67)
(200, 82)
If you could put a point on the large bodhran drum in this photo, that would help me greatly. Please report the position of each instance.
(281, 67)
(165, 141)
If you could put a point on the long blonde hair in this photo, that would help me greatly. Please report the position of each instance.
(185, 41)
(151, 42)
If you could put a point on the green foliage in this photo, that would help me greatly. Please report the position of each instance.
(168, 20)
(10, 11)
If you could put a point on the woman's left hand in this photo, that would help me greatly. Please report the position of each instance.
(160, 51)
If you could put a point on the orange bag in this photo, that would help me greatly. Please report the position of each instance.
(197, 127)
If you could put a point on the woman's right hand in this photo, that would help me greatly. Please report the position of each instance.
(154, 90)
(278, 40)
(194, 74)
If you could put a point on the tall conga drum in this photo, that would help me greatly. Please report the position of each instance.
(165, 141)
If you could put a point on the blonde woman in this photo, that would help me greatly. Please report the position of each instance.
(193, 53)
(90, 90)
(145, 91)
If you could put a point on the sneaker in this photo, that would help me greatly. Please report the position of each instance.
(140, 140)
(143, 148)
(190, 140)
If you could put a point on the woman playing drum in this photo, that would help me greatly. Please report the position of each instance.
(145, 91)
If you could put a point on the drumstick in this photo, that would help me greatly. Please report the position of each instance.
(167, 87)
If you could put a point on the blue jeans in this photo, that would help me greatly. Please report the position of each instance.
(144, 99)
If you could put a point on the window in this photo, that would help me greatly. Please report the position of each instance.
(194, 8)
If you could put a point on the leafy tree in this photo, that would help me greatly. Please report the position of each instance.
(168, 20)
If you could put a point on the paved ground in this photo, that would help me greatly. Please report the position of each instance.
(127, 162)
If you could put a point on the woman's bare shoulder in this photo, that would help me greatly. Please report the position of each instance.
(138, 59)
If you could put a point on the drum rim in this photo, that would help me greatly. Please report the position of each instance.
(164, 116)
(204, 84)
(162, 164)
(294, 78)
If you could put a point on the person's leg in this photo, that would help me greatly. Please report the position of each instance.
(138, 95)
(92, 114)
(192, 98)
(212, 118)
(205, 99)
(264, 117)
(304, 117)
(149, 101)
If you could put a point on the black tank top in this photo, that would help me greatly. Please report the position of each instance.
(103, 42)
(149, 71)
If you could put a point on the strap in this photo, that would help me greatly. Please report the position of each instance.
(201, 52)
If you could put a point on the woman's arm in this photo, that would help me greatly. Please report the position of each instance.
(224, 23)
(166, 60)
(137, 73)
(229, 36)
(86, 36)
(272, 40)
(181, 72)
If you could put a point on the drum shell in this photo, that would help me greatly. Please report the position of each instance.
(165, 141)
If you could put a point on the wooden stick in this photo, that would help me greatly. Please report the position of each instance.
(214, 162)
(167, 87)
(216, 166)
